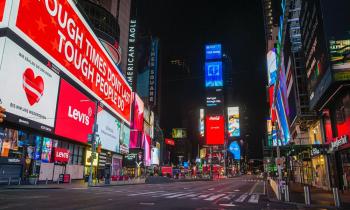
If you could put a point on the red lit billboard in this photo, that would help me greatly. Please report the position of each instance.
(61, 155)
(170, 142)
(75, 114)
(59, 32)
(137, 123)
(214, 129)
(2, 9)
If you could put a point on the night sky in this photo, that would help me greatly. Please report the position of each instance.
(183, 27)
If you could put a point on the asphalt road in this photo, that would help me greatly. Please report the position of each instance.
(246, 192)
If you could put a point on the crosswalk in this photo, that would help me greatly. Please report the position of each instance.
(224, 198)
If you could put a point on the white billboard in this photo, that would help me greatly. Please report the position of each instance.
(29, 88)
(108, 130)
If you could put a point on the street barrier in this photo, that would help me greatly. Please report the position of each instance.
(336, 197)
(307, 195)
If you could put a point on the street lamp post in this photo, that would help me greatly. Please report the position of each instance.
(93, 144)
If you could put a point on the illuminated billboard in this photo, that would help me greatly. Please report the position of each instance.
(233, 122)
(272, 66)
(201, 122)
(214, 97)
(108, 130)
(213, 51)
(179, 133)
(282, 119)
(340, 59)
(214, 130)
(70, 47)
(213, 74)
(235, 150)
(137, 122)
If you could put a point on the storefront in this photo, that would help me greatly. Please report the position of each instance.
(319, 166)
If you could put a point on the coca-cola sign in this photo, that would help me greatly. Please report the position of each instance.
(61, 155)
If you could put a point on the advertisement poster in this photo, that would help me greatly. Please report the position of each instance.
(124, 140)
(233, 122)
(147, 149)
(138, 113)
(108, 130)
(46, 150)
(214, 97)
(235, 150)
(213, 51)
(214, 130)
(340, 59)
(213, 74)
(201, 122)
(272, 66)
(151, 132)
(155, 156)
(69, 42)
(28, 89)
(179, 133)
(75, 112)
(8, 141)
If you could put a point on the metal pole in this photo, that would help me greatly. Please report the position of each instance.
(93, 144)
(337, 201)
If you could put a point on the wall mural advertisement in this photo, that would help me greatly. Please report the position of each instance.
(340, 59)
(75, 112)
(214, 130)
(61, 34)
(213, 74)
(233, 122)
(28, 88)
(108, 130)
(124, 139)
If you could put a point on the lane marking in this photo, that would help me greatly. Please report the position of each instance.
(161, 195)
(205, 195)
(214, 197)
(79, 188)
(254, 199)
(177, 195)
(145, 193)
(253, 188)
(241, 198)
(236, 190)
(211, 189)
(147, 204)
(189, 196)
(227, 204)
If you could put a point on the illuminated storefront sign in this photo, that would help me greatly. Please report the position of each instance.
(213, 74)
(338, 142)
(131, 58)
(233, 121)
(61, 34)
(213, 51)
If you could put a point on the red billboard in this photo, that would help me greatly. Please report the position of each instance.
(2, 9)
(61, 155)
(75, 114)
(139, 107)
(58, 31)
(170, 142)
(214, 129)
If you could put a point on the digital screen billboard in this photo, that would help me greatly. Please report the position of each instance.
(213, 51)
(233, 122)
(214, 97)
(124, 139)
(214, 129)
(213, 74)
(29, 88)
(201, 122)
(155, 156)
(108, 130)
(179, 133)
(137, 123)
(272, 66)
(75, 112)
(340, 59)
(147, 149)
(282, 119)
(170, 142)
(235, 150)
(77, 53)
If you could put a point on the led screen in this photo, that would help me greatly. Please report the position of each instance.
(213, 74)
(179, 133)
(138, 113)
(124, 140)
(155, 156)
(272, 66)
(235, 150)
(213, 51)
(233, 122)
(340, 59)
(75, 112)
(147, 149)
(201, 122)
(282, 119)
(108, 130)
(214, 130)
(28, 89)
(214, 97)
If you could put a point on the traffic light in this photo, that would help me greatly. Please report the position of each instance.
(2, 114)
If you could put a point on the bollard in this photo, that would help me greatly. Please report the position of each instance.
(307, 195)
(336, 197)
(286, 194)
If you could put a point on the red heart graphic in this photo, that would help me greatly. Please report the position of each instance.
(33, 86)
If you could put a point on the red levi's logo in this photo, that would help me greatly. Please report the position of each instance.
(33, 86)
(61, 155)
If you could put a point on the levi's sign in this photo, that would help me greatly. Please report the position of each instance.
(57, 30)
(61, 155)
(338, 142)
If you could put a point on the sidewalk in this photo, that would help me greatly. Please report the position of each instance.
(318, 196)
(74, 185)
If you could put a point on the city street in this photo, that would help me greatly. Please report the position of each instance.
(246, 192)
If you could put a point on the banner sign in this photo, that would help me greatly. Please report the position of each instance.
(28, 88)
(58, 31)
(131, 58)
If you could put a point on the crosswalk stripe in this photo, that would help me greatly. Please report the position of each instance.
(253, 198)
(144, 193)
(177, 195)
(189, 196)
(205, 195)
(214, 197)
(166, 194)
(241, 198)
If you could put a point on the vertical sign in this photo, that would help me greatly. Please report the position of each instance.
(233, 121)
(131, 58)
(201, 122)
(153, 71)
